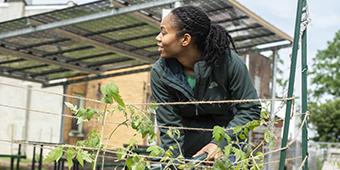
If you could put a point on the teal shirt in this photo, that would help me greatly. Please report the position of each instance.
(191, 79)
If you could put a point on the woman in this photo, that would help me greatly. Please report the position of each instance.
(197, 64)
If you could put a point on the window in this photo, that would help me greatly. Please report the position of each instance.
(257, 84)
(77, 128)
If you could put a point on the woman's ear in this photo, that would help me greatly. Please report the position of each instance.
(186, 40)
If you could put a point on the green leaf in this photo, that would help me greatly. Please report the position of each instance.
(155, 151)
(227, 150)
(264, 114)
(239, 154)
(70, 154)
(219, 165)
(80, 158)
(268, 136)
(140, 165)
(55, 154)
(218, 133)
(83, 156)
(129, 163)
(119, 100)
(110, 93)
(121, 154)
(237, 129)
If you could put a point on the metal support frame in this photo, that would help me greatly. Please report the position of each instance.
(110, 61)
(232, 19)
(12, 61)
(304, 72)
(47, 60)
(96, 77)
(242, 38)
(101, 15)
(7, 72)
(300, 5)
(256, 44)
(134, 38)
(255, 26)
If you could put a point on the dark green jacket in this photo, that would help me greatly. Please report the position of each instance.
(228, 80)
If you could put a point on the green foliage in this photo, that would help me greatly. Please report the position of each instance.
(93, 140)
(111, 93)
(55, 154)
(155, 151)
(325, 71)
(70, 154)
(326, 117)
(143, 124)
(83, 156)
(218, 133)
(81, 114)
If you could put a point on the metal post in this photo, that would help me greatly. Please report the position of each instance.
(291, 84)
(27, 114)
(304, 70)
(273, 95)
(33, 158)
(40, 157)
(61, 140)
(18, 157)
(12, 163)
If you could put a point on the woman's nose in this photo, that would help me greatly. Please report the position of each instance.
(158, 37)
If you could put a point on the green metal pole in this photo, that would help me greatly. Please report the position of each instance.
(304, 70)
(291, 84)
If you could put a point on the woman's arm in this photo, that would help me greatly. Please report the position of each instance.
(165, 114)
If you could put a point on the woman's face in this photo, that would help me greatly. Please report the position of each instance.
(169, 44)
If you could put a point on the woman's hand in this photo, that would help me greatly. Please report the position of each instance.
(213, 151)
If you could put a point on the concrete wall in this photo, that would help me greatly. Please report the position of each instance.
(41, 127)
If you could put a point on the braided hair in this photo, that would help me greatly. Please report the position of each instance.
(212, 40)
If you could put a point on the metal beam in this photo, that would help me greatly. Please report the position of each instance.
(67, 51)
(43, 43)
(12, 61)
(259, 20)
(134, 38)
(90, 56)
(47, 60)
(5, 71)
(96, 77)
(219, 9)
(110, 61)
(245, 28)
(242, 38)
(258, 50)
(28, 68)
(44, 73)
(101, 15)
(256, 44)
(143, 47)
(115, 29)
(232, 19)
(96, 43)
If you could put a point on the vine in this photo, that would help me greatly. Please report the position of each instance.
(245, 155)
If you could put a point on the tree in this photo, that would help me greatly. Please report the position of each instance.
(325, 116)
(325, 73)
(326, 119)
